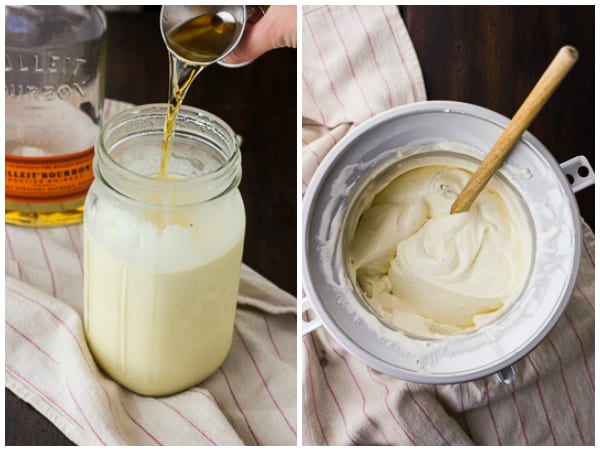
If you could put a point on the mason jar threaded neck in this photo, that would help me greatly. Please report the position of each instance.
(205, 158)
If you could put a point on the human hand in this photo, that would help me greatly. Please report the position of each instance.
(276, 29)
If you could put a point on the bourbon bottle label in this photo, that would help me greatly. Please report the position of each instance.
(48, 179)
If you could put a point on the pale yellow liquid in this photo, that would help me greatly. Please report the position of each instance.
(159, 333)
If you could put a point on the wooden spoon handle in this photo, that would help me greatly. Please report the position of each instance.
(539, 95)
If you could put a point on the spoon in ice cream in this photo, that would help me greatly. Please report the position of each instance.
(537, 98)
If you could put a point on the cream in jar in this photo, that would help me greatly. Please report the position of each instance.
(431, 274)
(162, 257)
(160, 301)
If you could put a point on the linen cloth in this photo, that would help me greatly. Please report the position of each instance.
(250, 400)
(358, 61)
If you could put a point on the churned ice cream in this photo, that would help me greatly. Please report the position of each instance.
(431, 274)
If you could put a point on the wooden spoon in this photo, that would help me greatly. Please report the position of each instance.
(539, 95)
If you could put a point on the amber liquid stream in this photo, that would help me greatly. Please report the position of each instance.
(200, 40)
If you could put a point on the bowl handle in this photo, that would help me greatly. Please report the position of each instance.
(579, 173)
(507, 375)
(309, 326)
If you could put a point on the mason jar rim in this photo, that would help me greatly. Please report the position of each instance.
(114, 173)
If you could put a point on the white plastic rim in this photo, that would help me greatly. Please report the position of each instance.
(393, 135)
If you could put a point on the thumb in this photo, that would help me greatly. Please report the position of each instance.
(276, 29)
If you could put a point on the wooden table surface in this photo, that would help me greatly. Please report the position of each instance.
(489, 56)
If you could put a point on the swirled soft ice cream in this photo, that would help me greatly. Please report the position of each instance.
(430, 274)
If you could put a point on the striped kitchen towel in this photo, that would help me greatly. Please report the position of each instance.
(359, 61)
(363, 65)
(250, 400)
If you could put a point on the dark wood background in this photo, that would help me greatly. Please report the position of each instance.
(489, 56)
(493, 56)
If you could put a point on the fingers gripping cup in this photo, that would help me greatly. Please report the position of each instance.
(205, 34)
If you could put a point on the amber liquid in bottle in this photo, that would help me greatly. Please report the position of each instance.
(197, 42)
(44, 214)
(54, 78)
(47, 174)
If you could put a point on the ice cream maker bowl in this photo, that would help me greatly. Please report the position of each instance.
(469, 131)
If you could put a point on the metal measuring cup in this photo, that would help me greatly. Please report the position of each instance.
(171, 17)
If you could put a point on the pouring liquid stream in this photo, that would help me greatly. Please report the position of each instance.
(174, 290)
(202, 40)
(182, 75)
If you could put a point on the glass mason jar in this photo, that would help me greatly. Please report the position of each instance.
(54, 91)
(162, 255)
